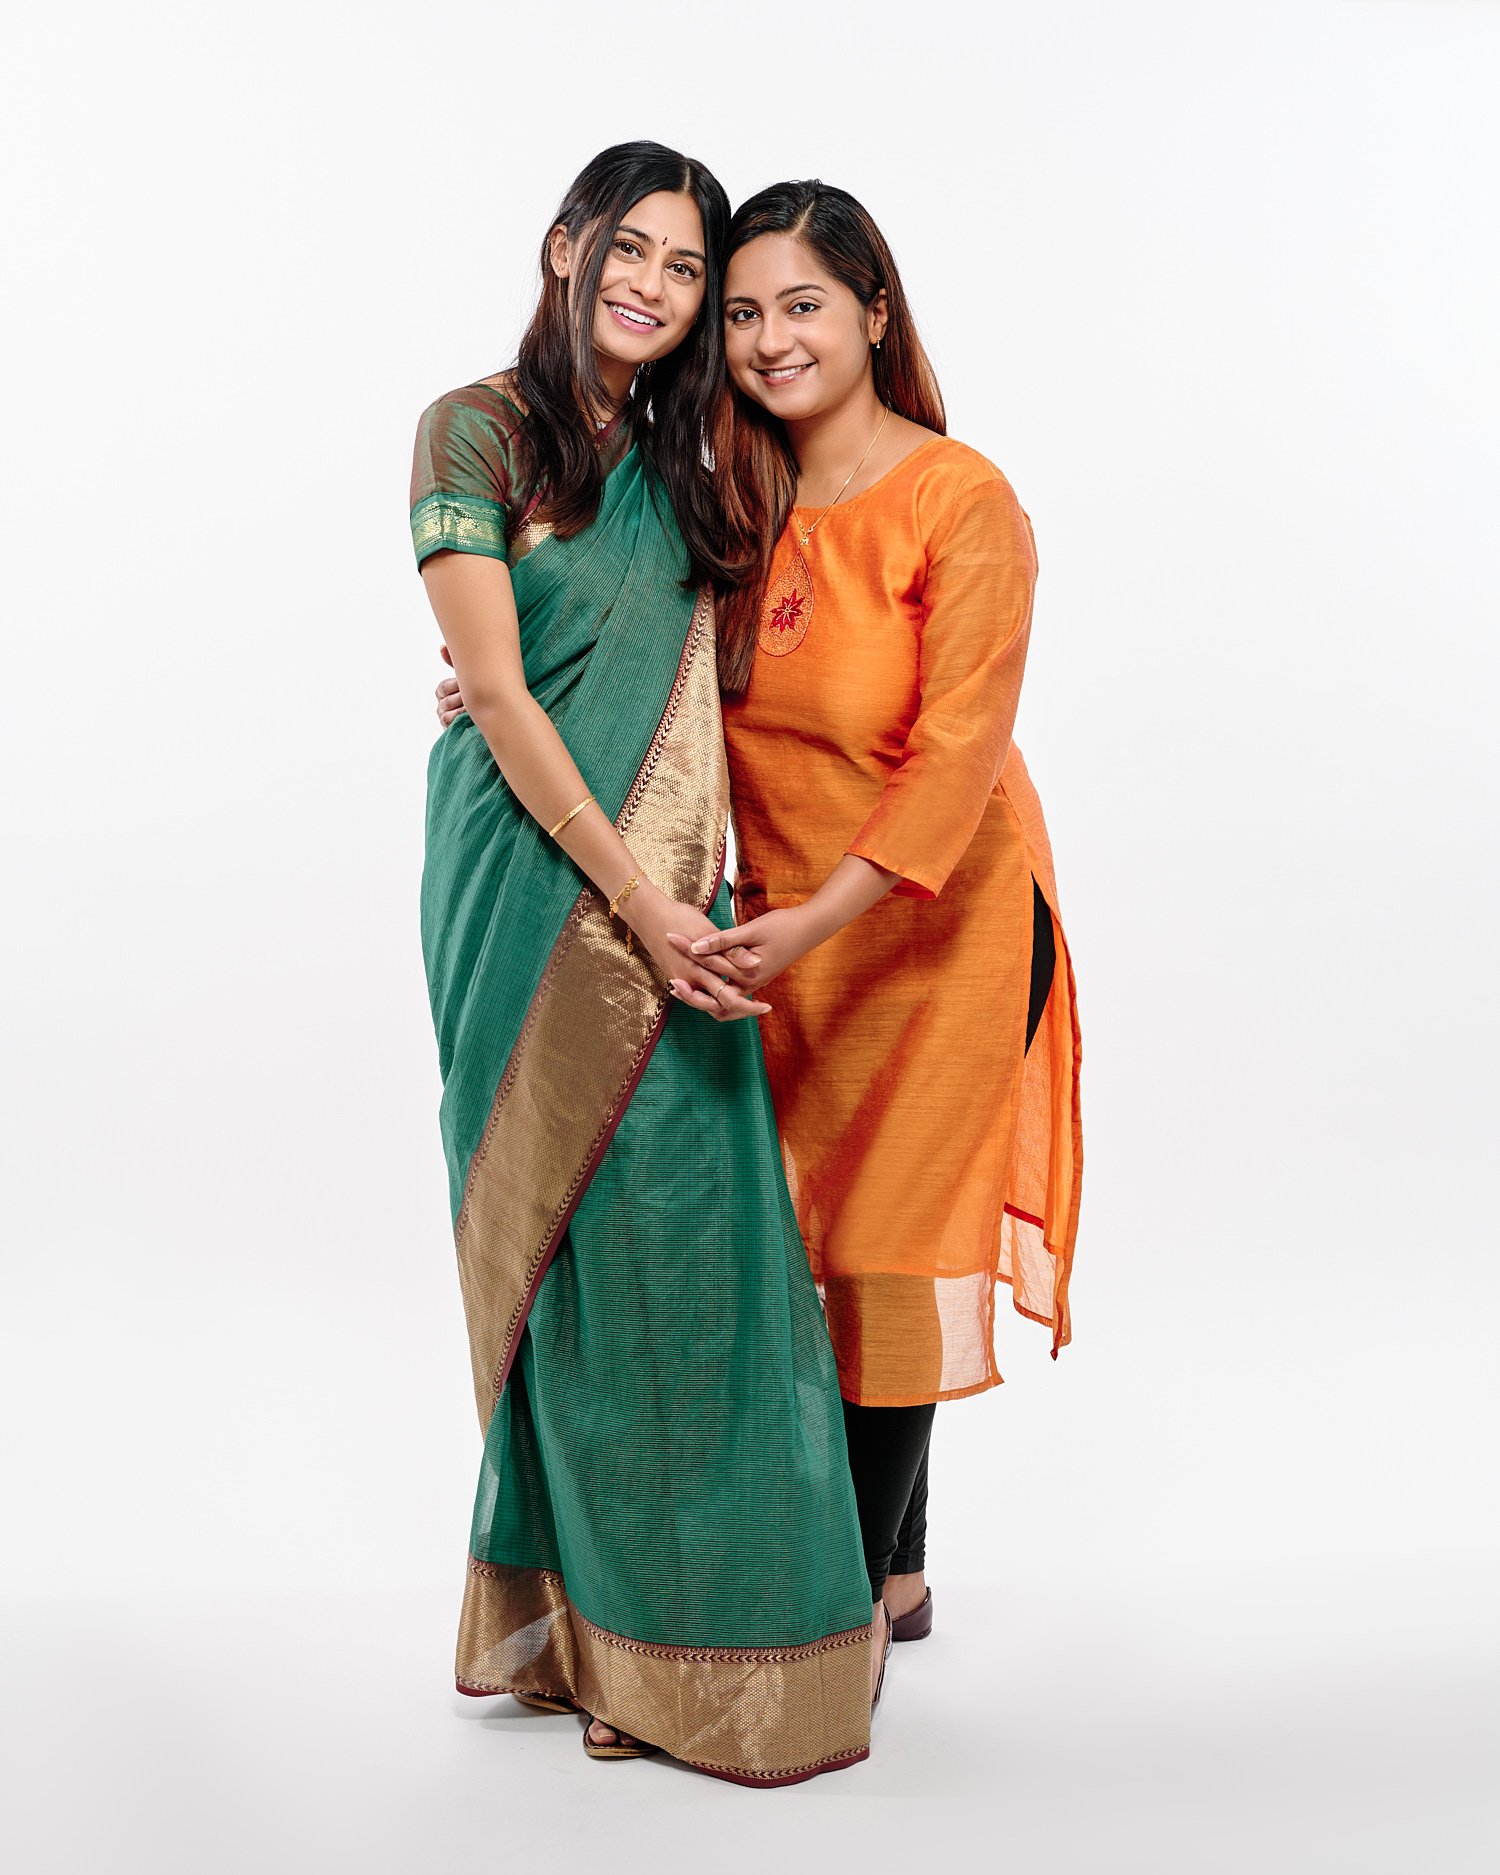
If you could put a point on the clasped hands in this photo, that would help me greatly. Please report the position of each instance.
(718, 972)
(708, 969)
(748, 957)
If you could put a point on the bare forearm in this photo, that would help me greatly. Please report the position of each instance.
(777, 939)
(850, 890)
(545, 779)
(475, 607)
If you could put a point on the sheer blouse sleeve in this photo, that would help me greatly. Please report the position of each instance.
(976, 621)
(462, 481)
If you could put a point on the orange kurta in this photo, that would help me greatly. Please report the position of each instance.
(930, 1154)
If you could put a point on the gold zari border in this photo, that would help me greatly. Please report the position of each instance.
(591, 1025)
(762, 1715)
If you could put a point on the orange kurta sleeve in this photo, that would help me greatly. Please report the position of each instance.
(976, 603)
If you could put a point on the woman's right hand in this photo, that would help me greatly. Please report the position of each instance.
(656, 920)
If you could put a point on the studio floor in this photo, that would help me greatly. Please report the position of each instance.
(1105, 1724)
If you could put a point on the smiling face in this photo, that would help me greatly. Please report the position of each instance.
(795, 338)
(651, 287)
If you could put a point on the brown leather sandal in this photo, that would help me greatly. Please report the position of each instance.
(916, 1625)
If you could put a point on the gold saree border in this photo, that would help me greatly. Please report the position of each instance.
(753, 1715)
(591, 1027)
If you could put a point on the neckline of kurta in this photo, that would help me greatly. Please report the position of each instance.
(911, 455)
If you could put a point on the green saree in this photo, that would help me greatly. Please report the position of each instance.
(664, 1531)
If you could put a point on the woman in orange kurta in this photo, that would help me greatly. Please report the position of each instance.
(895, 878)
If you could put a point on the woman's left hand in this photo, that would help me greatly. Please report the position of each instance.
(779, 937)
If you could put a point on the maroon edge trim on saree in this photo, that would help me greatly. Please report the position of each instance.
(841, 1763)
(803, 1775)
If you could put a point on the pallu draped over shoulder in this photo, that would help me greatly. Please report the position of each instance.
(664, 1530)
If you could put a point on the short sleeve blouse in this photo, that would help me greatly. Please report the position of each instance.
(466, 493)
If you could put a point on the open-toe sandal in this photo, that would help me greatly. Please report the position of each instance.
(616, 1750)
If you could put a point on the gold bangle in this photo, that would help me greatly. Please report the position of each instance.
(588, 801)
(617, 901)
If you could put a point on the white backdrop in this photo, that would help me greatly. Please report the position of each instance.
(1216, 286)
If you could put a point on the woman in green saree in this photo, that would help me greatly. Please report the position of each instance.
(664, 1534)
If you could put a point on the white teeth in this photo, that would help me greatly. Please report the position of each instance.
(636, 319)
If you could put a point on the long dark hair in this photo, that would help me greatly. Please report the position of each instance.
(755, 469)
(672, 402)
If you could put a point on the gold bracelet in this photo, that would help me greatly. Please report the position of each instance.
(617, 901)
(587, 802)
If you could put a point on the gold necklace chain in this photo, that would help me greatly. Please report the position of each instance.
(850, 476)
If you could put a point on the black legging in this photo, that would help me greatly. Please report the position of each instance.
(888, 1445)
(1043, 962)
(887, 1452)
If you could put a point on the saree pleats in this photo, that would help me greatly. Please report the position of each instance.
(664, 1530)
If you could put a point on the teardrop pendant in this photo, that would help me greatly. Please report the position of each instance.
(788, 609)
